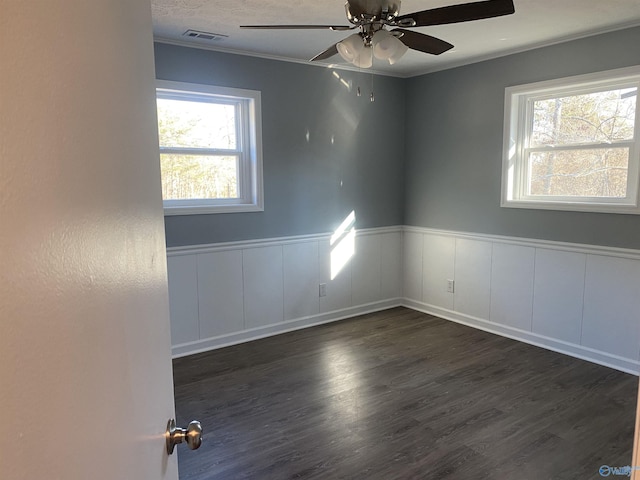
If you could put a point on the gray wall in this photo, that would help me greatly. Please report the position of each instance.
(446, 174)
(309, 187)
(454, 144)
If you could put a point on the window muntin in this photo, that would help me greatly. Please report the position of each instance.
(210, 151)
(573, 144)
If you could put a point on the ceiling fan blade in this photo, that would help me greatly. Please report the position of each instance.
(300, 27)
(464, 12)
(328, 53)
(423, 43)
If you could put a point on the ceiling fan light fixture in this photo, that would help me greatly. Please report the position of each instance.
(399, 53)
(354, 51)
(364, 59)
(387, 46)
(350, 47)
(383, 45)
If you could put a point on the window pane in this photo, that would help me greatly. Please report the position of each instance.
(580, 173)
(194, 124)
(600, 117)
(199, 176)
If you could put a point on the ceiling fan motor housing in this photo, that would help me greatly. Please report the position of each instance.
(361, 10)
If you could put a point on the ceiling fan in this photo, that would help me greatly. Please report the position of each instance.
(372, 17)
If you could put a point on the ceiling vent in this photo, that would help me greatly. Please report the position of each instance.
(204, 35)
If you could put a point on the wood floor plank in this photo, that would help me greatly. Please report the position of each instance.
(401, 395)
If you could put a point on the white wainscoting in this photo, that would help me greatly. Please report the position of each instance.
(229, 293)
(580, 300)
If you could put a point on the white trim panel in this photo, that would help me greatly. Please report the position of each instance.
(577, 351)
(233, 292)
(212, 343)
(580, 300)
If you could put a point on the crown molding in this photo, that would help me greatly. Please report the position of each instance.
(418, 73)
(527, 48)
(332, 66)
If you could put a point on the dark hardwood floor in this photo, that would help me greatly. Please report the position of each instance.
(401, 395)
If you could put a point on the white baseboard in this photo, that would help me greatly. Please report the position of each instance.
(235, 338)
(578, 351)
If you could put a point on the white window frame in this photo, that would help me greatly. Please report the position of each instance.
(248, 149)
(518, 117)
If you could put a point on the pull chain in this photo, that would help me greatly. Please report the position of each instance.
(372, 96)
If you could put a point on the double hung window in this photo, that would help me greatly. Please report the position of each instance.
(573, 144)
(210, 150)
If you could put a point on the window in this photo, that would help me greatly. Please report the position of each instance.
(573, 144)
(210, 149)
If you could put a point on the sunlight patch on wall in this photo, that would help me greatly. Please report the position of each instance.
(345, 83)
(343, 244)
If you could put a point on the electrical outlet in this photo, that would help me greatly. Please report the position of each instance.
(322, 290)
(451, 284)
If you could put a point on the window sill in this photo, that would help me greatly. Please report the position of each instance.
(211, 209)
(628, 209)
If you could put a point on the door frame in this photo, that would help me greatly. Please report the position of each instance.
(636, 444)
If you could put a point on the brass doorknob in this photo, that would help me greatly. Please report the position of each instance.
(192, 435)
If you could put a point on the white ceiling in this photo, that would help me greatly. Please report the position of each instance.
(535, 23)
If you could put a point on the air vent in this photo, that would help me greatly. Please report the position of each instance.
(204, 35)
